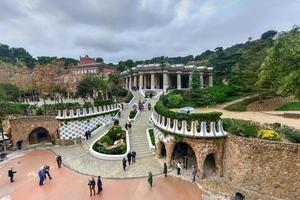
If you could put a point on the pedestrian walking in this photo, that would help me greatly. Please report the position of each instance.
(89, 133)
(133, 154)
(124, 163)
(86, 134)
(126, 126)
(194, 173)
(179, 167)
(92, 184)
(99, 185)
(165, 169)
(58, 161)
(11, 173)
(150, 179)
(149, 106)
(129, 126)
(185, 161)
(47, 172)
(129, 158)
(41, 176)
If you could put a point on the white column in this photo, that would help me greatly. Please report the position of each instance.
(145, 81)
(126, 82)
(135, 80)
(152, 81)
(190, 80)
(141, 81)
(178, 81)
(210, 80)
(165, 81)
(130, 82)
(201, 79)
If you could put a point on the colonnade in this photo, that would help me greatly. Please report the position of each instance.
(164, 80)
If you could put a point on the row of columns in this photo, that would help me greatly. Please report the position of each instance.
(141, 80)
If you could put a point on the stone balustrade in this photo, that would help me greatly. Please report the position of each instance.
(190, 129)
(84, 112)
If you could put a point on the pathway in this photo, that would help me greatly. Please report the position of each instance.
(67, 184)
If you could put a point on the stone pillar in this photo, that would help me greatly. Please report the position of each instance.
(210, 80)
(201, 79)
(179, 81)
(169, 152)
(130, 82)
(145, 81)
(134, 80)
(126, 82)
(165, 81)
(141, 82)
(190, 80)
(152, 81)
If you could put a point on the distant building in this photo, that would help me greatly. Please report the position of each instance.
(87, 67)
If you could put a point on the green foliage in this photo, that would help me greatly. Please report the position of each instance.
(91, 86)
(280, 72)
(289, 106)
(242, 105)
(152, 138)
(128, 97)
(121, 92)
(7, 108)
(107, 140)
(224, 93)
(178, 138)
(132, 114)
(174, 100)
(9, 92)
(40, 111)
(115, 133)
(291, 134)
(241, 127)
(102, 102)
(164, 111)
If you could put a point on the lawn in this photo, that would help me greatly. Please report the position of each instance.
(292, 106)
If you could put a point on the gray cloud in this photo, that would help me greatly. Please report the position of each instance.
(138, 29)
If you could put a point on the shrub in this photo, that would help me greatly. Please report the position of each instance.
(107, 140)
(132, 114)
(152, 138)
(290, 106)
(241, 127)
(103, 102)
(178, 138)
(39, 111)
(268, 135)
(121, 92)
(175, 100)
(128, 97)
(291, 134)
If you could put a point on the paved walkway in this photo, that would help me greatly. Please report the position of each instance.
(67, 184)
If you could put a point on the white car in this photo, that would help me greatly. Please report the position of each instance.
(186, 110)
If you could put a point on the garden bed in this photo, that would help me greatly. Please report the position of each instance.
(274, 132)
(113, 145)
(133, 115)
(292, 106)
(151, 139)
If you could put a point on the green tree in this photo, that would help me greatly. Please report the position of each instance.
(280, 73)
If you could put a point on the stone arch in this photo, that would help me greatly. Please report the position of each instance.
(161, 149)
(184, 148)
(209, 166)
(39, 135)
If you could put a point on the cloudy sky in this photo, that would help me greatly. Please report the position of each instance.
(138, 29)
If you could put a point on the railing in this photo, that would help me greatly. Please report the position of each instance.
(192, 129)
(84, 112)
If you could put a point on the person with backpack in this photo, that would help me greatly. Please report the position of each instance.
(11, 173)
(92, 184)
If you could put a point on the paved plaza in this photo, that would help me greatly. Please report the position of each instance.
(67, 184)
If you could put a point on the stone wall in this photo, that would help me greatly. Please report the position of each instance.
(20, 128)
(258, 166)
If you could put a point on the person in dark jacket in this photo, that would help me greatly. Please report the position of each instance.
(58, 161)
(47, 172)
(42, 176)
(129, 157)
(86, 134)
(165, 169)
(150, 179)
(133, 154)
(149, 106)
(89, 133)
(124, 163)
(92, 184)
(11, 173)
(99, 185)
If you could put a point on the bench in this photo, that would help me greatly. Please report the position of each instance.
(291, 115)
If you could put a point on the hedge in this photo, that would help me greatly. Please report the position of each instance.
(103, 102)
(128, 97)
(164, 111)
(132, 114)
